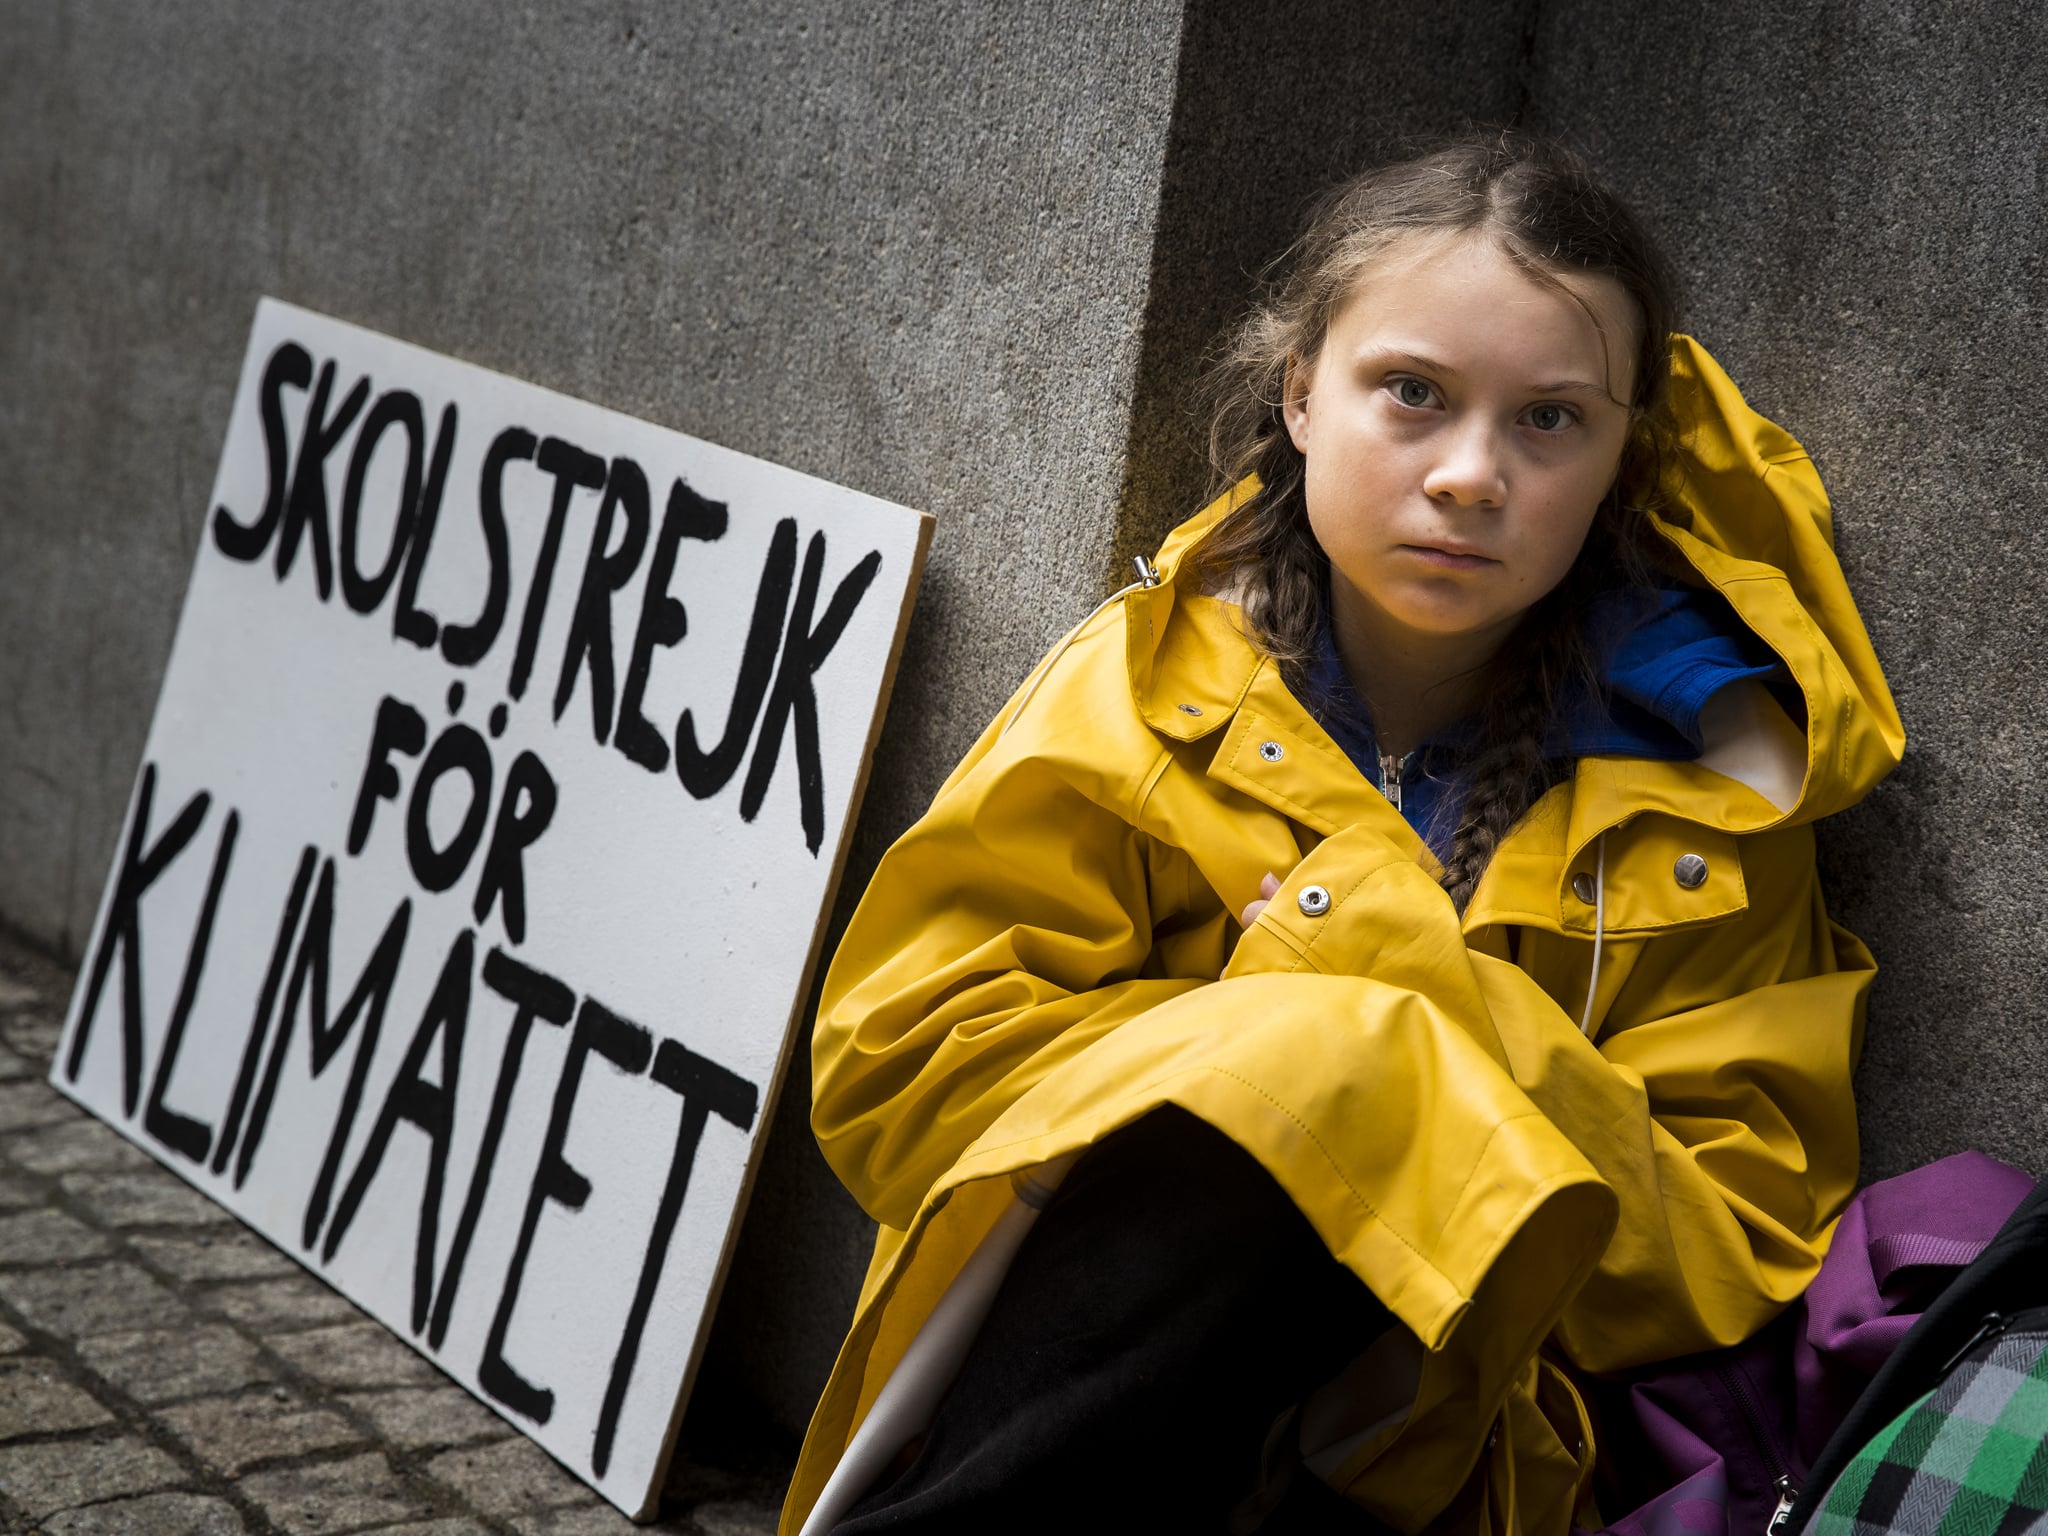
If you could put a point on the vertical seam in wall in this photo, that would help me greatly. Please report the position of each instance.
(1128, 524)
(1525, 64)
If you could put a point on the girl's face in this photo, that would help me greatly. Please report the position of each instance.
(1460, 426)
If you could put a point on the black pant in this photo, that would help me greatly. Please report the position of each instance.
(1168, 1307)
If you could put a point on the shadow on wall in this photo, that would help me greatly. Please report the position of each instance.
(1273, 105)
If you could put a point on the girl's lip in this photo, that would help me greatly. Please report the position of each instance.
(1449, 559)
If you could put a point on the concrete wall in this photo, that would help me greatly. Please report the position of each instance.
(913, 249)
(1854, 193)
(902, 247)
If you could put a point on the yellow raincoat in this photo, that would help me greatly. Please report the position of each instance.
(1053, 950)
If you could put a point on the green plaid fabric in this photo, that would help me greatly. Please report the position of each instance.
(1969, 1459)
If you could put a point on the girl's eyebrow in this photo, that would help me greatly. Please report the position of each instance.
(1414, 359)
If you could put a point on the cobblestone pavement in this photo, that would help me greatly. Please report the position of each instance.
(166, 1372)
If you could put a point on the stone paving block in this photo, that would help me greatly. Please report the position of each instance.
(48, 1237)
(355, 1355)
(16, 994)
(435, 1528)
(95, 1299)
(163, 1365)
(35, 1399)
(160, 1514)
(14, 1067)
(233, 1254)
(32, 1102)
(11, 1342)
(284, 1305)
(34, 1036)
(19, 1193)
(336, 1495)
(725, 1486)
(73, 1146)
(511, 1478)
(734, 1519)
(42, 1479)
(417, 1419)
(231, 1434)
(147, 1197)
(596, 1518)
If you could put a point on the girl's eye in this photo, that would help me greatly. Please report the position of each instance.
(1413, 393)
(1549, 418)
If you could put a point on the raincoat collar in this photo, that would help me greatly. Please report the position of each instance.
(1663, 655)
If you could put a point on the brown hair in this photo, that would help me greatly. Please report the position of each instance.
(1550, 215)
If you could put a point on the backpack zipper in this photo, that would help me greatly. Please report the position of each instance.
(1788, 1496)
(1993, 1325)
(1761, 1436)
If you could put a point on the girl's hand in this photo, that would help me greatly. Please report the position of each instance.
(1268, 889)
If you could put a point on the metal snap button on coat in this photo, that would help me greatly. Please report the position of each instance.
(1583, 888)
(1690, 871)
(1272, 751)
(1314, 901)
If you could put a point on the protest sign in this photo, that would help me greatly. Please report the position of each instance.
(475, 870)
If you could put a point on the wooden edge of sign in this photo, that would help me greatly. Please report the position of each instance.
(771, 1096)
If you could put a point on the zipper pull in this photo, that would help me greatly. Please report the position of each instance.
(1391, 770)
(1788, 1495)
(1994, 1324)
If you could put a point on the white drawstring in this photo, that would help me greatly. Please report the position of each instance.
(1599, 931)
(1148, 577)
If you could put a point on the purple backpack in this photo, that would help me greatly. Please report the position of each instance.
(1710, 1445)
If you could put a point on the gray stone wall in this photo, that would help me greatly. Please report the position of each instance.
(1853, 193)
(904, 247)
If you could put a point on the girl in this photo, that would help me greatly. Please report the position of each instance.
(1402, 901)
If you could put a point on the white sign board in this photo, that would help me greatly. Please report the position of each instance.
(471, 885)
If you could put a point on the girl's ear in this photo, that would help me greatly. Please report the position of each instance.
(1294, 401)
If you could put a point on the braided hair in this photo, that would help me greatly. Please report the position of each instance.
(1551, 216)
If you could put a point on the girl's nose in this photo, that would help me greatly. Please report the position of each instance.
(1468, 472)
